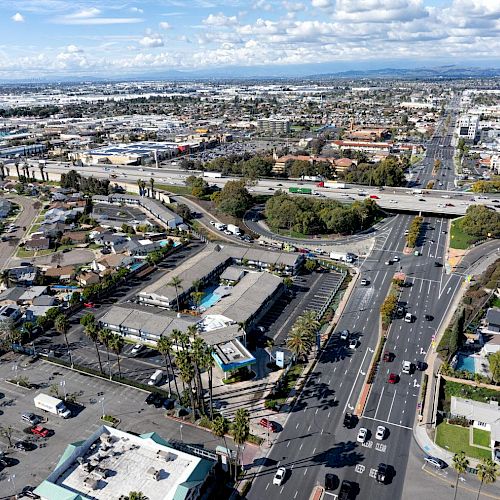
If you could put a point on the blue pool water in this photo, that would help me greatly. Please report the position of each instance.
(466, 363)
(136, 265)
(210, 298)
(164, 243)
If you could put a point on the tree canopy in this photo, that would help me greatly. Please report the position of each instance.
(388, 172)
(318, 216)
(234, 199)
(481, 221)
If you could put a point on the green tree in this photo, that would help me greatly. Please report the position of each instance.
(186, 369)
(176, 282)
(105, 335)
(165, 347)
(116, 344)
(311, 265)
(197, 297)
(136, 495)
(219, 428)
(300, 343)
(92, 332)
(494, 361)
(241, 431)
(460, 464)
(487, 472)
(234, 199)
(7, 431)
(61, 325)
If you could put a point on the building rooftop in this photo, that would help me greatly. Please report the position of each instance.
(111, 463)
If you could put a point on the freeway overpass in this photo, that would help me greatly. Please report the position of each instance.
(443, 202)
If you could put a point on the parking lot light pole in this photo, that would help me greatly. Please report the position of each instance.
(102, 406)
(62, 383)
(180, 430)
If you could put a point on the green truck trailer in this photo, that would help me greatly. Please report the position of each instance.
(300, 190)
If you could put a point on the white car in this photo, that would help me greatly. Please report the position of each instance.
(381, 431)
(344, 334)
(362, 434)
(365, 282)
(395, 259)
(136, 349)
(279, 476)
(353, 344)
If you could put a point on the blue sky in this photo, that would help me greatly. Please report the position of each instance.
(40, 38)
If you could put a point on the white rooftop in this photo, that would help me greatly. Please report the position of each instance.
(132, 464)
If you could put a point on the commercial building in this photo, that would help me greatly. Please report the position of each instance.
(468, 127)
(273, 126)
(111, 463)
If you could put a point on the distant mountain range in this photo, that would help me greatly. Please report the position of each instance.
(295, 72)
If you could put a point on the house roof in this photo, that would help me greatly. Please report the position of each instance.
(55, 272)
(493, 316)
(488, 413)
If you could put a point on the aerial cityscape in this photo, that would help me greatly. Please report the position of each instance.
(250, 250)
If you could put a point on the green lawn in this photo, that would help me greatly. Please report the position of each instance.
(458, 238)
(480, 437)
(173, 189)
(455, 438)
(466, 391)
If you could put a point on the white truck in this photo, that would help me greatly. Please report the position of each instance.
(234, 229)
(335, 185)
(51, 404)
(212, 175)
(220, 226)
(343, 256)
(417, 191)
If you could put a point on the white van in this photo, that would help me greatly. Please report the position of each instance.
(408, 318)
(156, 378)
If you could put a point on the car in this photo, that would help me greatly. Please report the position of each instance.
(88, 305)
(428, 317)
(136, 349)
(344, 335)
(365, 282)
(154, 399)
(29, 492)
(436, 462)
(280, 185)
(388, 356)
(421, 366)
(31, 418)
(381, 432)
(395, 258)
(279, 477)
(407, 368)
(400, 311)
(388, 262)
(362, 435)
(437, 264)
(444, 232)
(331, 482)
(374, 197)
(381, 475)
(393, 378)
(267, 424)
(408, 318)
(353, 344)
(271, 189)
(350, 420)
(212, 223)
(24, 446)
(40, 431)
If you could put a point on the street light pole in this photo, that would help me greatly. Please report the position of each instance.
(102, 406)
(62, 383)
(180, 430)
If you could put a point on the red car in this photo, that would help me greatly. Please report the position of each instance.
(38, 430)
(374, 197)
(393, 378)
(267, 424)
(88, 304)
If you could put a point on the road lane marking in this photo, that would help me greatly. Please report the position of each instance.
(305, 471)
(297, 426)
(288, 444)
(282, 488)
(392, 403)
(267, 486)
(387, 422)
(379, 401)
(300, 447)
(355, 380)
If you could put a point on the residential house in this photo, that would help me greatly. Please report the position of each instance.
(10, 312)
(493, 320)
(37, 242)
(5, 208)
(10, 296)
(490, 331)
(88, 278)
(485, 416)
(39, 307)
(76, 237)
(53, 230)
(61, 274)
(116, 243)
(23, 275)
(110, 263)
(31, 293)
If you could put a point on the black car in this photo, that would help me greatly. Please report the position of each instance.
(331, 482)
(421, 366)
(154, 399)
(24, 446)
(350, 420)
(428, 317)
(438, 264)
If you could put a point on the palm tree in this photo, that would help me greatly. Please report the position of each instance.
(61, 325)
(183, 360)
(17, 168)
(241, 431)
(487, 472)
(196, 285)
(116, 344)
(164, 346)
(460, 464)
(198, 350)
(299, 343)
(197, 297)
(104, 335)
(91, 331)
(220, 427)
(176, 283)
(209, 363)
(140, 186)
(152, 183)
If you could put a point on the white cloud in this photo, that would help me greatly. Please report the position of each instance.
(165, 26)
(73, 49)
(136, 10)
(90, 17)
(18, 17)
(322, 4)
(220, 20)
(84, 14)
(151, 41)
(262, 5)
(293, 6)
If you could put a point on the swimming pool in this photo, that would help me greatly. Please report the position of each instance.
(163, 243)
(466, 363)
(209, 299)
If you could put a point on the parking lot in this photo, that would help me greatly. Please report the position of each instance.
(93, 396)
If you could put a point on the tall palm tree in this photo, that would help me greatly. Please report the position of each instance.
(196, 285)
(152, 183)
(198, 350)
(176, 282)
(104, 335)
(299, 343)
(165, 347)
(139, 185)
(92, 332)
(17, 168)
(220, 427)
(61, 324)
(116, 344)
(487, 472)
(460, 464)
(183, 360)
(208, 364)
(241, 431)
